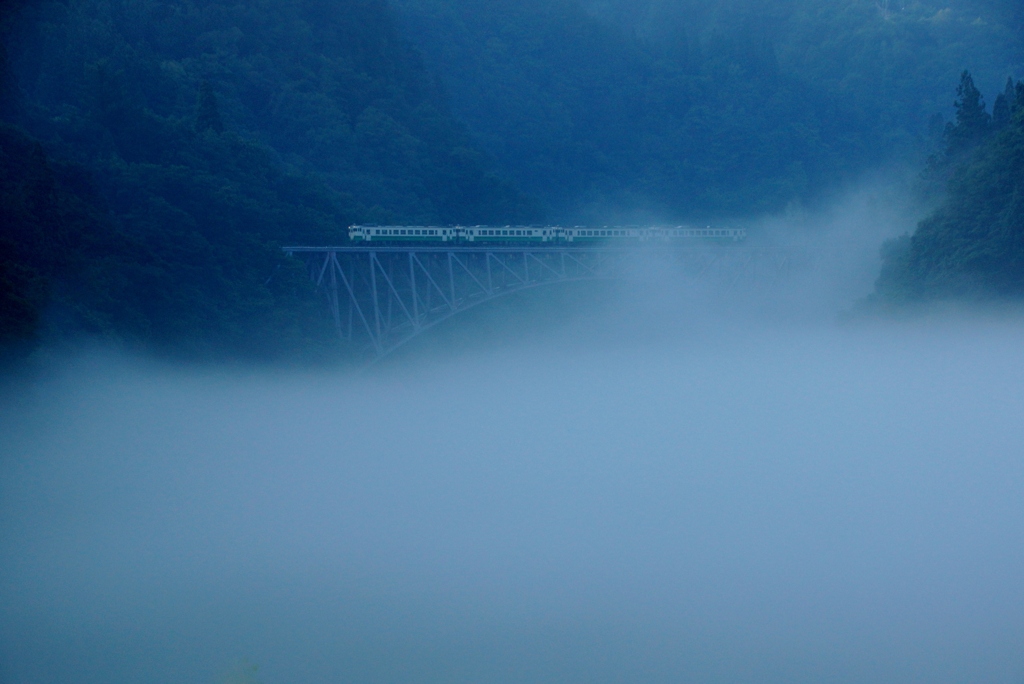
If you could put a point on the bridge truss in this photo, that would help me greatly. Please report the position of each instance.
(382, 296)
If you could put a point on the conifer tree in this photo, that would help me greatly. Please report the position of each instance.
(972, 121)
(1002, 106)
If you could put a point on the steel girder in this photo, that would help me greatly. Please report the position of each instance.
(381, 297)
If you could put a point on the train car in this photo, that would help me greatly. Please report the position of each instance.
(706, 234)
(402, 234)
(610, 234)
(508, 234)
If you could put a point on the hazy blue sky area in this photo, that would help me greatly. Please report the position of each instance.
(677, 487)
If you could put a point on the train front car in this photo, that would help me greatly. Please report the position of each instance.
(509, 234)
(393, 234)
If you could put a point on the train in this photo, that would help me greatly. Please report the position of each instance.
(543, 234)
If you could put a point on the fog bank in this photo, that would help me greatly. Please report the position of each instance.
(691, 483)
(793, 505)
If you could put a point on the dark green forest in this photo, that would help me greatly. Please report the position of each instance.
(155, 154)
(972, 246)
(666, 109)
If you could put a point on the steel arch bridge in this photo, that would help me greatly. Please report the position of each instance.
(382, 296)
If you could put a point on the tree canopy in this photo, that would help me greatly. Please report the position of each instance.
(972, 246)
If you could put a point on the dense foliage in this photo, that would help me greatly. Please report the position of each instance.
(972, 246)
(167, 149)
(155, 154)
(683, 108)
(151, 272)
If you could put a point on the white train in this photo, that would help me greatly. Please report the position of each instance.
(557, 234)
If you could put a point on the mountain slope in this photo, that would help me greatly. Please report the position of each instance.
(205, 134)
(972, 246)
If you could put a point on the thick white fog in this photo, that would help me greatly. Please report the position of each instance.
(681, 485)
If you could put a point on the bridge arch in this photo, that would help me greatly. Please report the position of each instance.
(381, 297)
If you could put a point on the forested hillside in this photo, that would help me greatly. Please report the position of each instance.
(972, 246)
(684, 109)
(155, 154)
(164, 149)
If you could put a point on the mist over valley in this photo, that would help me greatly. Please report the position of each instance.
(792, 456)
